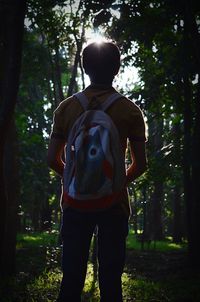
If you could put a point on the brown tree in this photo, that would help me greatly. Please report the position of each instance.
(11, 34)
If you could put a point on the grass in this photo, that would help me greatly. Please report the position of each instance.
(162, 246)
(142, 290)
(51, 239)
(43, 239)
(152, 275)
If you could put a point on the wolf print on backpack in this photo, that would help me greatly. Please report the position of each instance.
(94, 173)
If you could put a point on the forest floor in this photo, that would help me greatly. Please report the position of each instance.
(150, 275)
(165, 276)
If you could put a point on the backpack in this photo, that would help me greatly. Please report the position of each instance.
(94, 173)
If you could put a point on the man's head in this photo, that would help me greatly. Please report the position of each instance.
(101, 61)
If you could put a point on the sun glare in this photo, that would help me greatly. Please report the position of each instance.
(95, 37)
(99, 39)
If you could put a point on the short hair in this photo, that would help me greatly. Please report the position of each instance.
(101, 61)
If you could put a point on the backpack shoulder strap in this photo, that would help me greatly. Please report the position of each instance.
(81, 97)
(110, 100)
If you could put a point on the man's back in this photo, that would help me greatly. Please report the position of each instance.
(101, 62)
(126, 116)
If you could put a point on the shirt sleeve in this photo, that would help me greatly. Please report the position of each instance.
(137, 126)
(57, 128)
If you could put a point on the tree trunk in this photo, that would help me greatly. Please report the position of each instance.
(187, 156)
(156, 223)
(46, 216)
(52, 77)
(192, 32)
(74, 74)
(11, 33)
(195, 211)
(77, 61)
(35, 217)
(177, 219)
(177, 205)
(12, 185)
(58, 72)
(157, 229)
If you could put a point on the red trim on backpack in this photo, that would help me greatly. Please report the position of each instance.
(92, 204)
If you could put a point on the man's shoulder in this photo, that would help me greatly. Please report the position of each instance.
(66, 104)
(125, 104)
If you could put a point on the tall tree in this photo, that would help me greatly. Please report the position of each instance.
(12, 24)
(191, 17)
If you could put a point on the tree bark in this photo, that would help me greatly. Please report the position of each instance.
(195, 211)
(74, 74)
(187, 158)
(192, 31)
(11, 34)
(157, 211)
(46, 216)
(77, 61)
(157, 228)
(12, 184)
(177, 219)
(187, 153)
(177, 201)
(58, 72)
(56, 102)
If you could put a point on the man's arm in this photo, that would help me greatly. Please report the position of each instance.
(138, 161)
(55, 154)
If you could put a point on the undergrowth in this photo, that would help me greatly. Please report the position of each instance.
(156, 274)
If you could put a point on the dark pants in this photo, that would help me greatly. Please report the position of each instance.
(77, 231)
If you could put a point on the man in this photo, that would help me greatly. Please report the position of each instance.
(101, 62)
